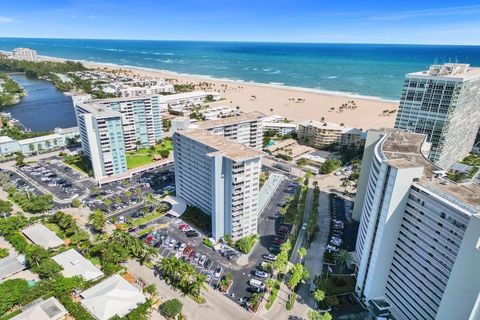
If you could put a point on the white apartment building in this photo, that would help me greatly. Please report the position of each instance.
(25, 54)
(186, 100)
(418, 242)
(442, 102)
(217, 112)
(282, 128)
(245, 128)
(221, 178)
(102, 137)
(141, 119)
(323, 134)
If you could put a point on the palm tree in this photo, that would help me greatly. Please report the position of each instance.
(319, 295)
(302, 252)
(198, 284)
(342, 258)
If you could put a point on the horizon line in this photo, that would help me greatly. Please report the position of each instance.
(246, 41)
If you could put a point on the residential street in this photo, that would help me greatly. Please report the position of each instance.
(217, 307)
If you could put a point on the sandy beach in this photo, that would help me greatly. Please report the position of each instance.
(297, 104)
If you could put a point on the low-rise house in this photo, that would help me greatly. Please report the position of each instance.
(74, 264)
(50, 309)
(111, 297)
(42, 236)
(11, 265)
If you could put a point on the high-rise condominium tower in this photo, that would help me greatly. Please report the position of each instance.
(444, 103)
(220, 177)
(418, 243)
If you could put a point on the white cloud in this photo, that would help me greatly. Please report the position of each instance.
(6, 20)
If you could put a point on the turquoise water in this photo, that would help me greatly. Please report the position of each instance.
(371, 70)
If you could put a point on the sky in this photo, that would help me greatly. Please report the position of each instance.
(341, 21)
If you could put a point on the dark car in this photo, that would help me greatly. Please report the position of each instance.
(282, 230)
(191, 234)
(207, 263)
(278, 240)
(274, 249)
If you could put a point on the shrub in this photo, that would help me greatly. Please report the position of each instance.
(329, 166)
(246, 244)
(171, 308)
(76, 203)
(291, 301)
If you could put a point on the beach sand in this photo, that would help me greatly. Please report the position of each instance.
(296, 104)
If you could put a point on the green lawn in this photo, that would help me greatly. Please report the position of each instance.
(79, 163)
(145, 156)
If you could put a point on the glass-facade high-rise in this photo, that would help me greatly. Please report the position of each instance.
(443, 103)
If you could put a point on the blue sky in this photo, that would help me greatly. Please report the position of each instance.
(344, 21)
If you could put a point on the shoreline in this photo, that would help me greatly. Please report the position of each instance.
(294, 103)
(213, 78)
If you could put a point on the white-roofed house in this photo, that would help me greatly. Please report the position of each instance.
(74, 264)
(111, 297)
(42, 236)
(49, 309)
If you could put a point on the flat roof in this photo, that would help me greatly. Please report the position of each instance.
(50, 309)
(98, 110)
(111, 297)
(74, 264)
(11, 265)
(404, 150)
(330, 126)
(40, 139)
(41, 235)
(230, 149)
(245, 117)
(453, 71)
(4, 139)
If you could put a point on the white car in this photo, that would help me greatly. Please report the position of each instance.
(304, 226)
(202, 260)
(172, 243)
(261, 274)
(182, 246)
(209, 276)
(178, 255)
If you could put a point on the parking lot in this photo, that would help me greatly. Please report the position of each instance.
(174, 242)
(55, 177)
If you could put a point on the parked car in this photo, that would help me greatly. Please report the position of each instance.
(269, 257)
(191, 234)
(202, 260)
(172, 243)
(187, 251)
(209, 276)
(218, 272)
(192, 254)
(182, 247)
(207, 263)
(196, 258)
(261, 274)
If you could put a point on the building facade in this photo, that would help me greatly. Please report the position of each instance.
(221, 178)
(418, 234)
(25, 54)
(245, 129)
(442, 103)
(323, 135)
(102, 137)
(141, 119)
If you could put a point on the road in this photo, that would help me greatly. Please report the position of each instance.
(217, 306)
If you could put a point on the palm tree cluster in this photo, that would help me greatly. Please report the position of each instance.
(182, 275)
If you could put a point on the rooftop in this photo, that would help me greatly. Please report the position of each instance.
(330, 126)
(74, 264)
(4, 139)
(230, 149)
(41, 235)
(11, 265)
(40, 139)
(111, 297)
(459, 71)
(404, 150)
(49, 309)
(245, 117)
(98, 110)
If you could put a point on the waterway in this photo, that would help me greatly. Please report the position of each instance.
(44, 108)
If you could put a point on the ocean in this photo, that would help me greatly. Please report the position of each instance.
(365, 69)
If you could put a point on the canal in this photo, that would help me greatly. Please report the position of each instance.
(44, 108)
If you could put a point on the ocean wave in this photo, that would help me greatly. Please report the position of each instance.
(163, 53)
(112, 49)
(332, 77)
(165, 61)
